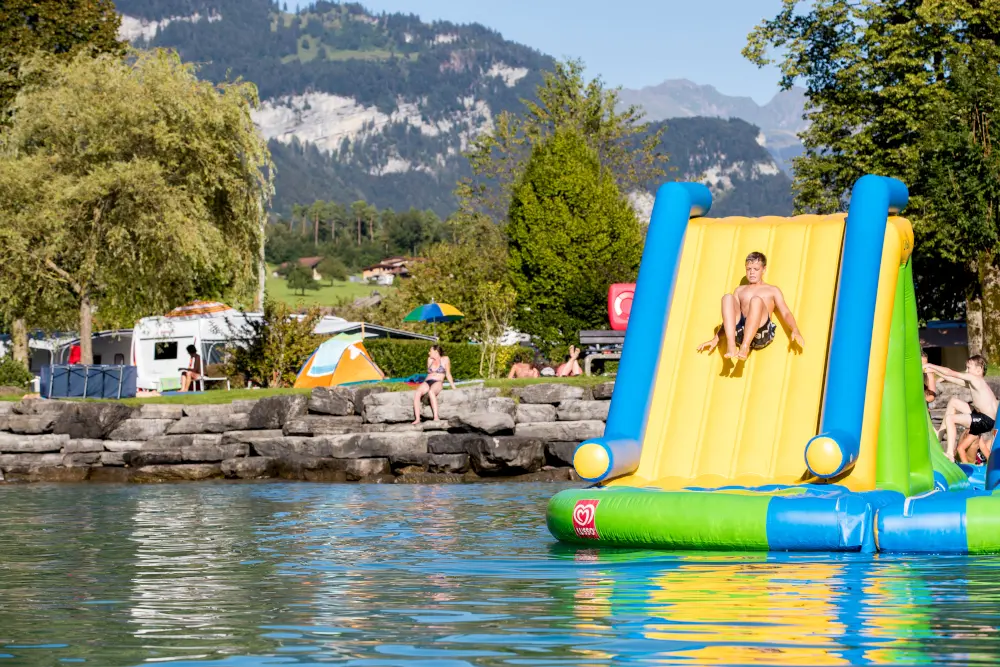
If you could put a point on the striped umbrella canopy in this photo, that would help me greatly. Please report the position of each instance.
(200, 309)
(434, 312)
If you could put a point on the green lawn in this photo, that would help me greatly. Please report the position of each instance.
(277, 289)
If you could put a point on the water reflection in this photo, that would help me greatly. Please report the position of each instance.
(464, 575)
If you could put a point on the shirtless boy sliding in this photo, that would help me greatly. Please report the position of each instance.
(749, 308)
(978, 417)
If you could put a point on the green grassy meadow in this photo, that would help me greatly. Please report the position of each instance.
(326, 295)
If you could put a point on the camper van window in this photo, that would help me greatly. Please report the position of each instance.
(97, 360)
(165, 351)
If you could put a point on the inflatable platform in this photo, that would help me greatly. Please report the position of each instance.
(823, 448)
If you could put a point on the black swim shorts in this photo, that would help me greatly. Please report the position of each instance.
(980, 423)
(762, 338)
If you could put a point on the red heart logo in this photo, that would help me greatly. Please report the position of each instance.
(584, 518)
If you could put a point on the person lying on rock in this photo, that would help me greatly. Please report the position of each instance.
(749, 308)
(979, 416)
(438, 368)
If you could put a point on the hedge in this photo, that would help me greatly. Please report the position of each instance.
(403, 358)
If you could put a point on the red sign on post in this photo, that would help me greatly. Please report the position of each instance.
(620, 305)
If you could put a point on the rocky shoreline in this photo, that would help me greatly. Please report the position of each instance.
(358, 434)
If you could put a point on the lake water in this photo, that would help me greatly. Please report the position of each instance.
(300, 574)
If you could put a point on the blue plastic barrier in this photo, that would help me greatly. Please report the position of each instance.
(77, 381)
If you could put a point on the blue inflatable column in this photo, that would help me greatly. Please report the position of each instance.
(617, 453)
(836, 448)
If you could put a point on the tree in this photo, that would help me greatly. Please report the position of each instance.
(62, 28)
(300, 279)
(571, 233)
(152, 187)
(496, 303)
(565, 99)
(881, 79)
(274, 347)
(332, 269)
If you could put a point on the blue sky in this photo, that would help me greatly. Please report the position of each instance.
(633, 43)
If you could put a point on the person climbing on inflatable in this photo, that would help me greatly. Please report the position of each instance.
(750, 307)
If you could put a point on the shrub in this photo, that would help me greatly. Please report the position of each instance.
(399, 358)
(14, 373)
(273, 349)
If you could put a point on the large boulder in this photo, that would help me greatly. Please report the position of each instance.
(209, 410)
(528, 413)
(603, 391)
(560, 454)
(81, 459)
(337, 401)
(81, 446)
(31, 444)
(6, 408)
(311, 469)
(285, 446)
(561, 431)
(254, 467)
(448, 463)
(399, 448)
(140, 429)
(397, 406)
(160, 411)
(505, 455)
(489, 422)
(31, 424)
(575, 410)
(122, 445)
(243, 406)
(177, 455)
(39, 406)
(272, 412)
(184, 440)
(550, 393)
(388, 407)
(502, 405)
(25, 462)
(452, 443)
(322, 425)
(250, 436)
(113, 458)
(190, 472)
(95, 421)
(187, 425)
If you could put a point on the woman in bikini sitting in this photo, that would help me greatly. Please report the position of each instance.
(438, 368)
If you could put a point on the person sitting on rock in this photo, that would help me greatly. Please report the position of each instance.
(438, 368)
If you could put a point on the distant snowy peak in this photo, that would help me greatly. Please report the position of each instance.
(135, 29)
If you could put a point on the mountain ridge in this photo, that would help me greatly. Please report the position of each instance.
(380, 107)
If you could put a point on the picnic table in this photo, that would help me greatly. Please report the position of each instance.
(601, 344)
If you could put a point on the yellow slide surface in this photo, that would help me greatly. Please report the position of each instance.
(713, 422)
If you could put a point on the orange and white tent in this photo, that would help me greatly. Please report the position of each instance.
(340, 360)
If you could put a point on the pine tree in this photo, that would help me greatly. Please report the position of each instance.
(570, 234)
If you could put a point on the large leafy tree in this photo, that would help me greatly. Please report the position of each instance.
(902, 88)
(152, 186)
(571, 233)
(61, 28)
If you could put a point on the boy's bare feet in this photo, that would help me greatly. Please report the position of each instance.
(730, 351)
(744, 352)
(415, 421)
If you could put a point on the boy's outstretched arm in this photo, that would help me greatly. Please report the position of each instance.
(948, 375)
(786, 315)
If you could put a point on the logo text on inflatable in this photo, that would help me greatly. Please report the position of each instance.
(584, 516)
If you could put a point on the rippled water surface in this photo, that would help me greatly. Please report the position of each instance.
(275, 574)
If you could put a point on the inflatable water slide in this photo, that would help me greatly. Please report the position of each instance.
(827, 447)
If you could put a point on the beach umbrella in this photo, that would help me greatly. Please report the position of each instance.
(434, 312)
